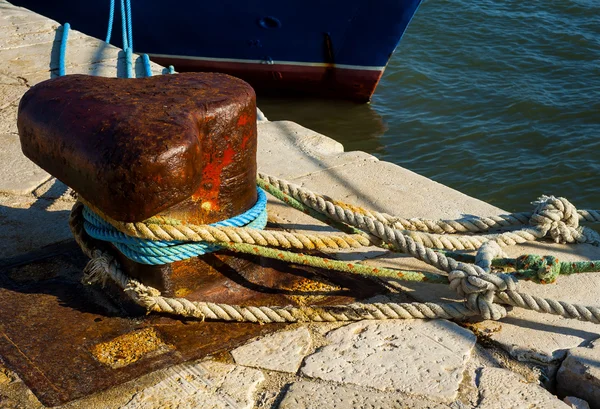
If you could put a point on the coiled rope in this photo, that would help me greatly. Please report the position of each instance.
(485, 292)
(157, 252)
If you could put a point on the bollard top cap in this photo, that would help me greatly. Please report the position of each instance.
(134, 147)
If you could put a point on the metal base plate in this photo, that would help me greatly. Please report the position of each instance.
(67, 341)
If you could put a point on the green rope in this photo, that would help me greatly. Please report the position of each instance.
(546, 269)
(331, 264)
(542, 269)
(575, 267)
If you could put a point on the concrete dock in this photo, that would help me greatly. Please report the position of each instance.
(367, 364)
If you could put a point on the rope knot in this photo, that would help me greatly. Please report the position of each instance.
(547, 267)
(478, 288)
(556, 217)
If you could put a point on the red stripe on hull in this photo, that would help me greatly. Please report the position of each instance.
(332, 82)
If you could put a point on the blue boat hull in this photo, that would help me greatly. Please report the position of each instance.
(335, 48)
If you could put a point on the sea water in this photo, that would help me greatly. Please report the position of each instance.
(498, 99)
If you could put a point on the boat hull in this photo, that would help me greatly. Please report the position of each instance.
(336, 48)
(326, 80)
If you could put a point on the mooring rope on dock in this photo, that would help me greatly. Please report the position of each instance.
(485, 293)
(150, 252)
(127, 40)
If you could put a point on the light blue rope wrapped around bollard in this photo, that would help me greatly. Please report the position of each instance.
(163, 252)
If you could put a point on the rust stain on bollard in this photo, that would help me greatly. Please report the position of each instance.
(181, 146)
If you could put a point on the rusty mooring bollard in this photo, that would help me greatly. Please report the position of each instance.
(181, 146)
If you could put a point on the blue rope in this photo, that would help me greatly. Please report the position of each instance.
(62, 70)
(124, 26)
(128, 63)
(111, 19)
(155, 252)
(129, 27)
(127, 37)
(147, 67)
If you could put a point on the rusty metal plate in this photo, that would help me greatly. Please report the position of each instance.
(67, 341)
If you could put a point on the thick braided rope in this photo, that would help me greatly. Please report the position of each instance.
(472, 282)
(390, 235)
(178, 306)
(145, 251)
(510, 238)
(545, 219)
(557, 218)
(371, 225)
(163, 229)
(103, 266)
(467, 242)
(464, 242)
(159, 229)
(470, 225)
(549, 306)
(588, 215)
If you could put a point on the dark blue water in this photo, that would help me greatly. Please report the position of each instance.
(498, 99)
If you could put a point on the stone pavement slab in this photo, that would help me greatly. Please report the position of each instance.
(502, 389)
(206, 384)
(20, 175)
(282, 351)
(200, 384)
(40, 57)
(18, 16)
(288, 150)
(16, 32)
(8, 119)
(378, 185)
(11, 89)
(316, 395)
(425, 358)
(579, 374)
